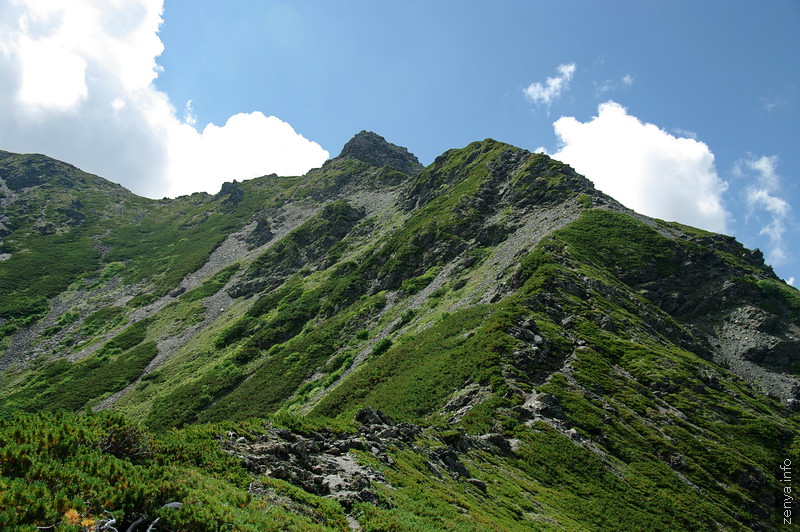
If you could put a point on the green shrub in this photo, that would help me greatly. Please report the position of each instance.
(381, 347)
(240, 329)
(141, 300)
(68, 471)
(212, 285)
(111, 269)
(101, 320)
(415, 284)
(127, 339)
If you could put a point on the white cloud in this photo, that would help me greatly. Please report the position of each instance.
(689, 134)
(604, 87)
(762, 195)
(765, 169)
(51, 77)
(790, 281)
(644, 167)
(553, 87)
(775, 102)
(76, 83)
(243, 147)
(625, 82)
(189, 117)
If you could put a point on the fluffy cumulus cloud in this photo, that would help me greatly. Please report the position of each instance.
(545, 93)
(76, 83)
(762, 197)
(248, 145)
(645, 167)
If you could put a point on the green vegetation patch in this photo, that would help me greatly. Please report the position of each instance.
(617, 241)
(787, 296)
(73, 472)
(174, 238)
(307, 243)
(593, 493)
(213, 285)
(288, 363)
(185, 403)
(415, 284)
(415, 375)
(65, 320)
(141, 300)
(102, 320)
(71, 385)
(45, 268)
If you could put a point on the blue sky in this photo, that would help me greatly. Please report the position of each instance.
(683, 110)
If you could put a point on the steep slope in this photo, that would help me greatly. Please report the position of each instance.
(557, 353)
(52, 216)
(193, 244)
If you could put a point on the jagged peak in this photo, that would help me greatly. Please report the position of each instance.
(373, 149)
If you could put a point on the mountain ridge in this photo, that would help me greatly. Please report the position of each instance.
(495, 293)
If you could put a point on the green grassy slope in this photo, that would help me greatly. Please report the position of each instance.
(590, 359)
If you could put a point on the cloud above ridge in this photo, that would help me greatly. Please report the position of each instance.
(763, 195)
(645, 167)
(544, 94)
(76, 83)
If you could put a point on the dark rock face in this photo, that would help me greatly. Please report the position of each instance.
(725, 313)
(375, 150)
(38, 170)
(234, 192)
(73, 213)
(368, 416)
(261, 233)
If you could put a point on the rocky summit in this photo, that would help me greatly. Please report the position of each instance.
(373, 149)
(485, 343)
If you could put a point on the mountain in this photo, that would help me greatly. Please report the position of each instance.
(485, 343)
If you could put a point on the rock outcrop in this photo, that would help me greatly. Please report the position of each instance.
(373, 149)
